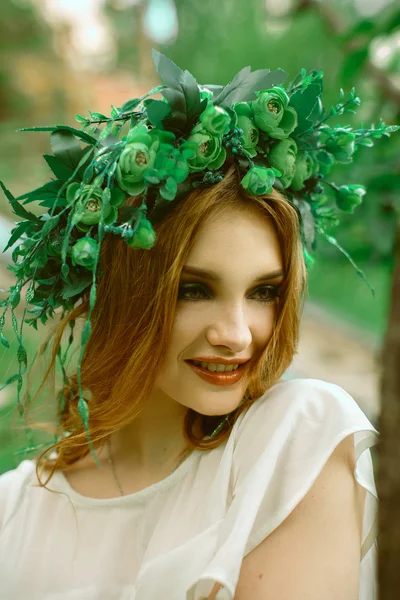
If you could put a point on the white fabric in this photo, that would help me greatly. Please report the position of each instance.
(176, 538)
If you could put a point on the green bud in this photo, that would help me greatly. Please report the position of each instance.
(215, 120)
(342, 145)
(348, 197)
(303, 170)
(282, 156)
(259, 180)
(84, 252)
(144, 237)
(326, 162)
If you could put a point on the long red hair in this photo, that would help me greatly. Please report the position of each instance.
(136, 299)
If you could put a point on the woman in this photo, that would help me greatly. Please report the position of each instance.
(275, 492)
(204, 484)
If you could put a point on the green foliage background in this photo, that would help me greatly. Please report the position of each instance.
(214, 41)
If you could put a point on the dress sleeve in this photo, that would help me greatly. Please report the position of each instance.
(281, 445)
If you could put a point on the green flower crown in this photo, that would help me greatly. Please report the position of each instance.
(278, 138)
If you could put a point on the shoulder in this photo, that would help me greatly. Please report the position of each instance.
(296, 421)
(301, 399)
(12, 485)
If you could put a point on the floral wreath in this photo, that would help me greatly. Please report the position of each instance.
(278, 137)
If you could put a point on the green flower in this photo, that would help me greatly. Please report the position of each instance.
(349, 196)
(84, 252)
(342, 145)
(137, 157)
(303, 170)
(259, 180)
(88, 206)
(144, 236)
(205, 93)
(250, 137)
(209, 150)
(325, 162)
(282, 156)
(215, 120)
(171, 166)
(272, 113)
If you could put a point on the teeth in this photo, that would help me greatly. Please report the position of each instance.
(215, 366)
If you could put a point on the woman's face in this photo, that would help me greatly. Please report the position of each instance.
(230, 315)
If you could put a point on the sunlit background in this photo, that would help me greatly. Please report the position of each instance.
(62, 57)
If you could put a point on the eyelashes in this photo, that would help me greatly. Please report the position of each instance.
(270, 291)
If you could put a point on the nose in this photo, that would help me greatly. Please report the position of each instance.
(230, 329)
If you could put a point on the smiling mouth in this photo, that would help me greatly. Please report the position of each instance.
(219, 377)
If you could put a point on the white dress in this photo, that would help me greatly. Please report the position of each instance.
(174, 539)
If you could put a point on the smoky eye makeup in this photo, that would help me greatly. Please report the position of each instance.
(196, 291)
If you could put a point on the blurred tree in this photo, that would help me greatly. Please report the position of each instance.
(24, 37)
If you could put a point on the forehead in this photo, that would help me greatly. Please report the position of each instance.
(241, 236)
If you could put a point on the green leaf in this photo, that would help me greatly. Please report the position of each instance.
(17, 208)
(353, 63)
(95, 116)
(66, 148)
(60, 170)
(11, 380)
(365, 142)
(307, 222)
(157, 111)
(48, 281)
(81, 119)
(65, 270)
(83, 411)
(82, 135)
(304, 102)
(130, 105)
(86, 332)
(4, 341)
(45, 192)
(182, 94)
(50, 224)
(167, 70)
(17, 232)
(78, 287)
(244, 85)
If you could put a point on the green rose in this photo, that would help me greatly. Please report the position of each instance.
(88, 206)
(282, 156)
(84, 252)
(259, 180)
(144, 236)
(325, 162)
(272, 113)
(250, 137)
(341, 144)
(303, 170)
(137, 157)
(215, 120)
(209, 150)
(349, 196)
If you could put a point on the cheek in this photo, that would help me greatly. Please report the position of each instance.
(187, 327)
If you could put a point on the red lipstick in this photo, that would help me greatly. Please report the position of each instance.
(218, 377)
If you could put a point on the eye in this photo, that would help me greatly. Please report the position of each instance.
(192, 288)
(269, 294)
(266, 293)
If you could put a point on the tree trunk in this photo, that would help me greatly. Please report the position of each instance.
(388, 472)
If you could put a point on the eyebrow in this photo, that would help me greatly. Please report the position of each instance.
(212, 276)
